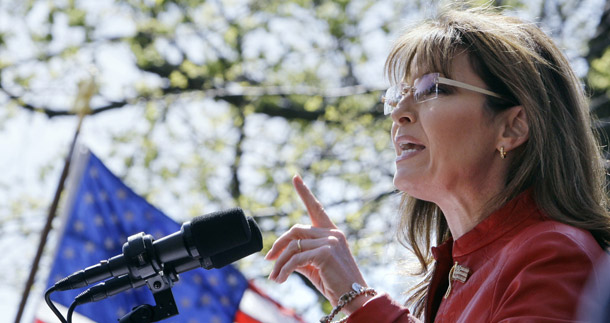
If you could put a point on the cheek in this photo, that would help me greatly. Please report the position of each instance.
(443, 128)
(456, 136)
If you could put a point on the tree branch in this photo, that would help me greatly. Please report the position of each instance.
(51, 113)
(231, 94)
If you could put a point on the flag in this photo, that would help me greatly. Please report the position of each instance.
(102, 212)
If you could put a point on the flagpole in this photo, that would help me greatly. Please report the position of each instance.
(81, 106)
(48, 224)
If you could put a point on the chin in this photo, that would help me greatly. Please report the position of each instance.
(405, 185)
(413, 187)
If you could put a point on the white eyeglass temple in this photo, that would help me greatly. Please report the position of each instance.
(467, 86)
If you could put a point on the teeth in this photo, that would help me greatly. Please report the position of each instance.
(411, 147)
(408, 151)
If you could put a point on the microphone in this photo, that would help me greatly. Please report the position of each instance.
(202, 237)
(224, 258)
(123, 283)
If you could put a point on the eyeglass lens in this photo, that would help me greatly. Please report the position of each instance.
(424, 88)
(391, 98)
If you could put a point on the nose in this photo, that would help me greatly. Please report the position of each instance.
(403, 113)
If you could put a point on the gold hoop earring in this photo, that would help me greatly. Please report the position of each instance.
(502, 152)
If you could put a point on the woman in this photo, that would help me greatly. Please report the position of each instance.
(500, 170)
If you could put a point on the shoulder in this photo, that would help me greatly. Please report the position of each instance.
(549, 237)
(546, 263)
(552, 248)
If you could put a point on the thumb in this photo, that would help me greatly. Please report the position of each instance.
(316, 211)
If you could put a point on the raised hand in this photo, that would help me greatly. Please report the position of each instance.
(319, 251)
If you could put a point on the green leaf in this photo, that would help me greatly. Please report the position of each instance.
(599, 74)
(177, 79)
(76, 17)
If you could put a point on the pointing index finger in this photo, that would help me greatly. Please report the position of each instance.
(318, 216)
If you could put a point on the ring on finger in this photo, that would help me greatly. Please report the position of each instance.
(299, 245)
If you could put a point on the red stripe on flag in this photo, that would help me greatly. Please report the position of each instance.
(241, 317)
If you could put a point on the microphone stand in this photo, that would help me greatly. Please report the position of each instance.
(161, 287)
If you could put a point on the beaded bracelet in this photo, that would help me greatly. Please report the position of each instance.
(357, 290)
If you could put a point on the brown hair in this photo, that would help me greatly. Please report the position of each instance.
(561, 160)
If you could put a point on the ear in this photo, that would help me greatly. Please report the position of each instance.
(514, 128)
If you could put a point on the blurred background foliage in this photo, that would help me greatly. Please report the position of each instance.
(205, 105)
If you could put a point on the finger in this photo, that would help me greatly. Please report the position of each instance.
(306, 258)
(318, 216)
(298, 231)
(292, 249)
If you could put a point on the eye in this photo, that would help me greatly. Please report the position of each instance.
(444, 89)
(425, 87)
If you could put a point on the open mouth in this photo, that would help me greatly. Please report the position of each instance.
(410, 148)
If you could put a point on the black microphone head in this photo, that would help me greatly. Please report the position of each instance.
(219, 231)
(254, 245)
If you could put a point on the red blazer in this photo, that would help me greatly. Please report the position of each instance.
(522, 267)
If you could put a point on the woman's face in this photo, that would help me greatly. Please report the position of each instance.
(446, 144)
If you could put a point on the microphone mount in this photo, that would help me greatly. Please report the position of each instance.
(140, 256)
(161, 287)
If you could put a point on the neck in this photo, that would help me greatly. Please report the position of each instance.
(465, 210)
